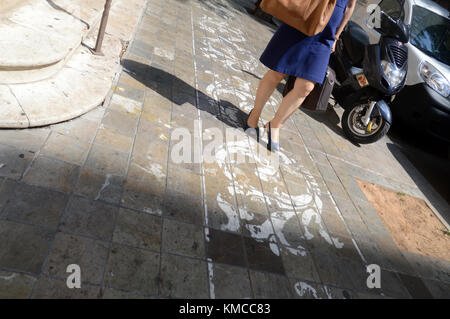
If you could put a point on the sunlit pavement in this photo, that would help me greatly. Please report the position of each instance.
(105, 193)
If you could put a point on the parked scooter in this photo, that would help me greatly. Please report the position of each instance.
(368, 77)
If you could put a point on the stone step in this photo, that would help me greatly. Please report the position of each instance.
(38, 37)
(81, 84)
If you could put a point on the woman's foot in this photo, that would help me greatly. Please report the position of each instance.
(273, 136)
(252, 120)
(252, 130)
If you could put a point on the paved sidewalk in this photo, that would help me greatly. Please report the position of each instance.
(104, 192)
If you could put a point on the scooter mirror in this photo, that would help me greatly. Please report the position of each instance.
(394, 28)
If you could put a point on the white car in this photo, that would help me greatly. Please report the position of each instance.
(425, 100)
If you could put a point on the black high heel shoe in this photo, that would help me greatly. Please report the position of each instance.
(248, 129)
(271, 146)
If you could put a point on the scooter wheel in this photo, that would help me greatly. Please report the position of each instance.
(356, 133)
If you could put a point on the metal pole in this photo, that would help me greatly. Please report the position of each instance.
(101, 32)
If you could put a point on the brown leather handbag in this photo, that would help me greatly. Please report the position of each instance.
(308, 16)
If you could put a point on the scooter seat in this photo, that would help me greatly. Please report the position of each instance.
(355, 40)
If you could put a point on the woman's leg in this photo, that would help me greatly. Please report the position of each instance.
(265, 89)
(290, 104)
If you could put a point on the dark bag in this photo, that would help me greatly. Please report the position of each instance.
(319, 98)
(308, 16)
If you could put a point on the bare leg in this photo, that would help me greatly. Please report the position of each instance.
(289, 105)
(265, 89)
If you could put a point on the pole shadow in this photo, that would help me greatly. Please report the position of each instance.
(180, 92)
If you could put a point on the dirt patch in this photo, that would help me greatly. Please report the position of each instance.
(411, 223)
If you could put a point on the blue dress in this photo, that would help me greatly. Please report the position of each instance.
(293, 53)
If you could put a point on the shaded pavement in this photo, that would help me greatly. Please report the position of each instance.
(103, 191)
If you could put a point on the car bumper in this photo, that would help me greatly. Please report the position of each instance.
(424, 109)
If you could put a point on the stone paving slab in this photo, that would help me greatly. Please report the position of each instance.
(37, 73)
(143, 225)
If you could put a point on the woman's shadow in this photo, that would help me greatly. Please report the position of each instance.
(179, 92)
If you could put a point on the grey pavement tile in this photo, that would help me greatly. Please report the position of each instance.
(66, 148)
(320, 242)
(184, 117)
(7, 187)
(334, 223)
(143, 196)
(98, 185)
(226, 248)
(90, 255)
(144, 169)
(332, 271)
(320, 158)
(307, 290)
(392, 286)
(415, 286)
(142, 49)
(96, 114)
(359, 231)
(299, 265)
(128, 85)
(364, 296)
(311, 141)
(183, 239)
(134, 91)
(52, 173)
(183, 278)
(222, 215)
(113, 294)
(23, 247)
(370, 216)
(297, 186)
(184, 181)
(155, 100)
(345, 247)
(352, 187)
(230, 282)
(89, 218)
(155, 119)
(14, 161)
(263, 255)
(79, 128)
(328, 173)
(29, 140)
(439, 290)
(356, 270)
(392, 256)
(348, 209)
(336, 189)
(185, 158)
(159, 59)
(427, 267)
(139, 230)
(120, 122)
(270, 286)
(48, 288)
(36, 205)
(15, 285)
(293, 138)
(370, 252)
(133, 269)
(134, 66)
(339, 293)
(289, 232)
(147, 153)
(328, 202)
(109, 137)
(107, 160)
(183, 207)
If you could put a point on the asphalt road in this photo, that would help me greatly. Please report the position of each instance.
(430, 156)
